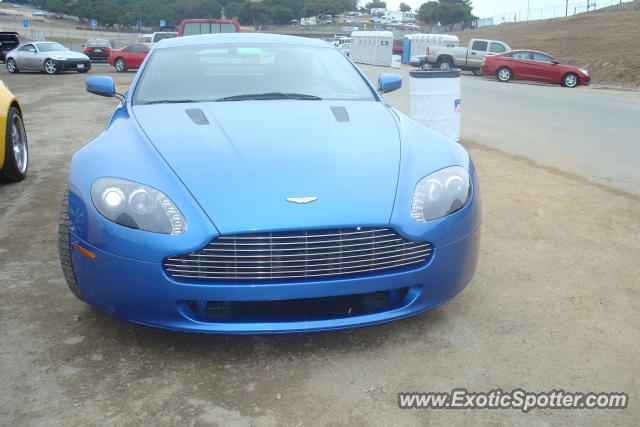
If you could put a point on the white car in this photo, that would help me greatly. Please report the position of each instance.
(50, 57)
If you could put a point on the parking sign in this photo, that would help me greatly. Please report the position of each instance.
(162, 23)
(94, 23)
(25, 23)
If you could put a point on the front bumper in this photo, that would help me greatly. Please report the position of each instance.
(102, 56)
(73, 64)
(141, 292)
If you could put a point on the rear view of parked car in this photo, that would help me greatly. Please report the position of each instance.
(533, 65)
(8, 41)
(97, 49)
(49, 57)
(192, 27)
(129, 57)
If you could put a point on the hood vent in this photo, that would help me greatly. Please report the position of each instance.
(197, 116)
(340, 114)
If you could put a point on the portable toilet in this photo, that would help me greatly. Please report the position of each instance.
(406, 49)
(372, 47)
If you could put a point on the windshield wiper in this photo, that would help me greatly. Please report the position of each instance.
(269, 96)
(170, 101)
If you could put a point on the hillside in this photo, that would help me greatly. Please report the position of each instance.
(606, 41)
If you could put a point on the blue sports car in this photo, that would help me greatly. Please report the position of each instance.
(256, 183)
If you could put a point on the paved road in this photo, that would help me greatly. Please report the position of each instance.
(592, 133)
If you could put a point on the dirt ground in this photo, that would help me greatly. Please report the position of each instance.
(604, 41)
(554, 305)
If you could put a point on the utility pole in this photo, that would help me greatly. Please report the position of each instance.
(527, 10)
(566, 9)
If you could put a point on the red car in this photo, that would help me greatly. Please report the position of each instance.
(533, 65)
(129, 57)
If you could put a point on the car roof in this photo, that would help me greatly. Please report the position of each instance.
(526, 50)
(240, 38)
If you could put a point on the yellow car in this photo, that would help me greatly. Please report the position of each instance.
(14, 151)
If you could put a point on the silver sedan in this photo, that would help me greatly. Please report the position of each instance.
(50, 57)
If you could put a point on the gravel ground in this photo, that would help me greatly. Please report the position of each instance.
(553, 305)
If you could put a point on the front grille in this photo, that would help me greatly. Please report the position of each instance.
(305, 308)
(299, 255)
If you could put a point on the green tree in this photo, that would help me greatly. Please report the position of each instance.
(232, 10)
(405, 7)
(428, 12)
(321, 7)
(451, 13)
(445, 12)
(375, 4)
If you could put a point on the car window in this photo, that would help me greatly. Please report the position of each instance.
(480, 45)
(139, 48)
(540, 57)
(50, 47)
(226, 27)
(161, 36)
(128, 49)
(497, 48)
(209, 73)
(27, 48)
(520, 55)
(193, 28)
(98, 43)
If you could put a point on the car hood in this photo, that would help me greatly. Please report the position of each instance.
(252, 155)
(67, 54)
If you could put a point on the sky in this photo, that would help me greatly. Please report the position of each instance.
(488, 8)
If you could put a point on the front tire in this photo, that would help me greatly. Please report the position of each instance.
(50, 66)
(121, 66)
(16, 149)
(64, 248)
(504, 74)
(570, 80)
(12, 67)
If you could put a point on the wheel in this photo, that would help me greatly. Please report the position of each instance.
(570, 80)
(16, 149)
(477, 72)
(12, 67)
(444, 63)
(85, 69)
(50, 66)
(121, 66)
(504, 74)
(64, 248)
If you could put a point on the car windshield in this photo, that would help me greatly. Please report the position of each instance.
(161, 36)
(247, 72)
(98, 43)
(50, 47)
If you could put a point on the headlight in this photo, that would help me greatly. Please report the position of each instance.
(137, 206)
(440, 194)
(58, 57)
(584, 71)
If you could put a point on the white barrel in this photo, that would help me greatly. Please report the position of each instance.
(435, 100)
(396, 61)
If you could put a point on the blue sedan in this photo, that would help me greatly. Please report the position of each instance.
(255, 183)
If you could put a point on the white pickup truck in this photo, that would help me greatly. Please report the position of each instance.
(465, 58)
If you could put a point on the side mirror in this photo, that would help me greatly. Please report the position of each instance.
(554, 62)
(103, 86)
(389, 82)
